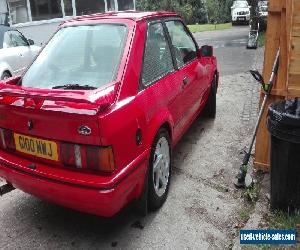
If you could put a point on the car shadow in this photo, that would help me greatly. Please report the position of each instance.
(190, 139)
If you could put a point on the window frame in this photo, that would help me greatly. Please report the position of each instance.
(171, 47)
(151, 22)
(189, 34)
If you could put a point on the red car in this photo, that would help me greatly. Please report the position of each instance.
(92, 122)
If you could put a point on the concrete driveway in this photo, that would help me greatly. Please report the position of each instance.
(202, 208)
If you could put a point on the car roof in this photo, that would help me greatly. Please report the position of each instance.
(131, 15)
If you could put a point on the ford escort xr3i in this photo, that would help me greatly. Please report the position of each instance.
(92, 122)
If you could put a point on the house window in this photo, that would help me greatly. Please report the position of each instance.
(125, 5)
(111, 5)
(68, 7)
(18, 11)
(87, 7)
(45, 9)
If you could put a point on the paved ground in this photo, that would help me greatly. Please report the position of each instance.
(230, 48)
(202, 208)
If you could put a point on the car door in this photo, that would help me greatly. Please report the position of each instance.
(191, 71)
(23, 49)
(160, 84)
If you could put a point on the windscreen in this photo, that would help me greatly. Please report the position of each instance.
(81, 55)
(241, 5)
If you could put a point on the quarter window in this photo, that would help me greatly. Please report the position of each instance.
(184, 46)
(157, 56)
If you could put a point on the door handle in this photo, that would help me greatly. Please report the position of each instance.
(185, 80)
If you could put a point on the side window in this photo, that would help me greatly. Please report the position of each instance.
(157, 57)
(18, 39)
(184, 46)
(7, 42)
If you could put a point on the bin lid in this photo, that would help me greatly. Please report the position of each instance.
(284, 120)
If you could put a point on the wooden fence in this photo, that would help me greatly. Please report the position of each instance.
(283, 31)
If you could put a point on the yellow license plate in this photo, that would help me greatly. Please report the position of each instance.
(37, 147)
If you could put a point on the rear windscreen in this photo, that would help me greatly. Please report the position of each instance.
(83, 55)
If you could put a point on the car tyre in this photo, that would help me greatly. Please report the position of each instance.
(159, 170)
(5, 75)
(211, 105)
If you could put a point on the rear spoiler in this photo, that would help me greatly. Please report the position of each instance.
(50, 97)
(100, 97)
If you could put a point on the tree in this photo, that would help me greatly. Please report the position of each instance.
(254, 14)
(192, 11)
(219, 11)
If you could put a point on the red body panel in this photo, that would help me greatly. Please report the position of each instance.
(114, 114)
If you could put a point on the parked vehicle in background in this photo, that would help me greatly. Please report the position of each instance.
(263, 10)
(240, 12)
(16, 52)
(92, 122)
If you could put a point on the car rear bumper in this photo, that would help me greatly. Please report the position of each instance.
(86, 198)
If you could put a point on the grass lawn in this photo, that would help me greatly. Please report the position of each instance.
(282, 220)
(208, 27)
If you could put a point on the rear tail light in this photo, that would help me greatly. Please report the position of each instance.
(72, 155)
(88, 157)
(7, 139)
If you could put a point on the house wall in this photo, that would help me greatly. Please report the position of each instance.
(3, 12)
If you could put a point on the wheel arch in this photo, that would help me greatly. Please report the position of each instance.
(4, 67)
(7, 71)
(162, 120)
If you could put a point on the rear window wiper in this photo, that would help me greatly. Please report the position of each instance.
(74, 86)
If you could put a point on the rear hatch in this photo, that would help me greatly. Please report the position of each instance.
(58, 127)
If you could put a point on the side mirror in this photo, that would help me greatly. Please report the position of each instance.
(30, 42)
(206, 51)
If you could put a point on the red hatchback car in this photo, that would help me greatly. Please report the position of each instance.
(92, 122)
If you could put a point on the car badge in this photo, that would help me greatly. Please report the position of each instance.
(84, 130)
(29, 103)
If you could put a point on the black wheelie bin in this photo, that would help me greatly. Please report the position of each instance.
(284, 127)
